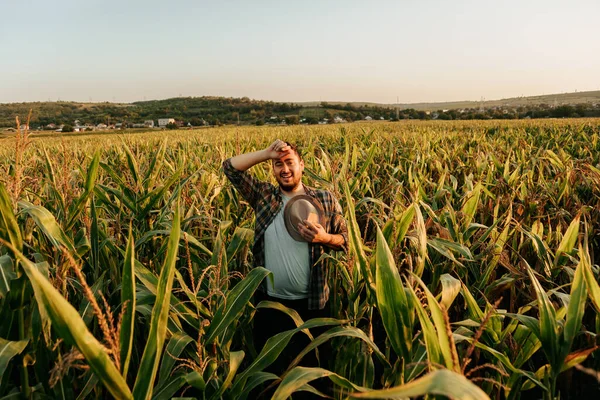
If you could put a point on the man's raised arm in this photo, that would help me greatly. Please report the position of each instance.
(246, 161)
(235, 168)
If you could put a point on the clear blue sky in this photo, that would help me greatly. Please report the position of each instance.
(348, 50)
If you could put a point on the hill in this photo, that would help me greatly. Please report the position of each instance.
(206, 110)
(559, 99)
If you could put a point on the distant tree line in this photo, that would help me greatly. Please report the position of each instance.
(198, 111)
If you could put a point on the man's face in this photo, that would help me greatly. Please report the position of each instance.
(288, 171)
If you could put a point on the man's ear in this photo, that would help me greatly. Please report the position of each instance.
(302, 164)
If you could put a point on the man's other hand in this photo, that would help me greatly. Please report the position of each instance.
(313, 232)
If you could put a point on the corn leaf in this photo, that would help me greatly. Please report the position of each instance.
(300, 376)
(9, 229)
(176, 345)
(70, 326)
(391, 300)
(568, 241)
(356, 245)
(9, 349)
(128, 303)
(47, 223)
(446, 345)
(158, 323)
(450, 289)
(236, 301)
(548, 327)
(575, 309)
(440, 382)
(7, 274)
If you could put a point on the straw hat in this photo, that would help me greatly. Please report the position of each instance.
(300, 208)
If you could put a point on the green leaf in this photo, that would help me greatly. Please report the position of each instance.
(356, 245)
(132, 164)
(446, 346)
(300, 376)
(447, 248)
(450, 289)
(241, 238)
(9, 229)
(81, 201)
(236, 301)
(235, 359)
(8, 350)
(421, 232)
(575, 309)
(391, 300)
(160, 314)
(364, 166)
(175, 347)
(167, 391)
(434, 352)
(155, 165)
(254, 380)
(152, 199)
(470, 206)
(340, 331)
(548, 327)
(404, 222)
(128, 303)
(568, 241)
(293, 314)
(70, 326)
(590, 280)
(7, 274)
(47, 223)
(440, 382)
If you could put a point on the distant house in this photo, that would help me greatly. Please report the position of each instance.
(149, 123)
(163, 122)
(83, 128)
(368, 118)
(338, 120)
(118, 125)
(101, 126)
(139, 125)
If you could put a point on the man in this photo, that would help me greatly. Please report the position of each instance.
(299, 277)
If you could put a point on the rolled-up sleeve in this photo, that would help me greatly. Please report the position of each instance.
(249, 187)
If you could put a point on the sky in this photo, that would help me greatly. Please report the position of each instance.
(294, 51)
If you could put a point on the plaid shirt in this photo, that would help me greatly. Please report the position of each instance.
(265, 199)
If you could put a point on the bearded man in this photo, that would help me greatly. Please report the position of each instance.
(300, 279)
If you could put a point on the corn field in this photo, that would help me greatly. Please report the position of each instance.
(125, 264)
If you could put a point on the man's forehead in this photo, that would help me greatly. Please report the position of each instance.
(290, 156)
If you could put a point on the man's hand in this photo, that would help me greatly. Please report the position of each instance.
(277, 149)
(313, 232)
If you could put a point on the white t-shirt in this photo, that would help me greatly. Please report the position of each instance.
(288, 259)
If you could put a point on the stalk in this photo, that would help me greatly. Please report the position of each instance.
(25, 389)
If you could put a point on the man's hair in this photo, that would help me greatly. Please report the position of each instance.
(295, 149)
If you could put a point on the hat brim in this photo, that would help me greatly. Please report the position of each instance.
(292, 215)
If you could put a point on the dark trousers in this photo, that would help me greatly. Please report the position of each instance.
(268, 322)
